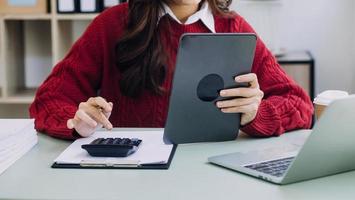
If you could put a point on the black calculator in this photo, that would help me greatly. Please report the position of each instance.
(112, 147)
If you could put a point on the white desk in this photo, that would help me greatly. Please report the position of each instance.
(189, 177)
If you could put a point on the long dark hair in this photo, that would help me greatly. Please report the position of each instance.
(139, 52)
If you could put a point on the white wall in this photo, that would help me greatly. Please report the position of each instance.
(326, 27)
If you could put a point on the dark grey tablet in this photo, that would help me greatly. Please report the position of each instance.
(206, 63)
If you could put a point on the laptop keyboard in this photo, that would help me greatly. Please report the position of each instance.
(274, 167)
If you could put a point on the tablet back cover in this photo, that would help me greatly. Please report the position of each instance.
(206, 63)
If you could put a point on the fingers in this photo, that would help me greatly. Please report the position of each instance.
(99, 117)
(240, 92)
(107, 114)
(236, 102)
(102, 103)
(246, 100)
(92, 116)
(86, 118)
(253, 90)
(83, 118)
(82, 128)
(100, 110)
(248, 78)
(92, 113)
(250, 108)
(70, 124)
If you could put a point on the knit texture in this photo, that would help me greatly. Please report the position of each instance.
(89, 70)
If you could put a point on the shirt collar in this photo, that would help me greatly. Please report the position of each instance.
(204, 14)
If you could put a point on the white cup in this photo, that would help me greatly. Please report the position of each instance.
(325, 98)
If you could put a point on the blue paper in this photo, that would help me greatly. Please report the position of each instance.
(22, 2)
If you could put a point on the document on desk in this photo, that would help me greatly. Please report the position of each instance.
(152, 151)
(17, 137)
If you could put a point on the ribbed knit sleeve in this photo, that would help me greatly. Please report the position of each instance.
(73, 80)
(285, 106)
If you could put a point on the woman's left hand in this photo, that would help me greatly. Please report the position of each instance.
(246, 101)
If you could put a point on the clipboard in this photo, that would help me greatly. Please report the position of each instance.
(87, 165)
(153, 153)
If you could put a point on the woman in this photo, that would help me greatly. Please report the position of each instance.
(119, 73)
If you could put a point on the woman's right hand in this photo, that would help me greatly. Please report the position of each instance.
(91, 115)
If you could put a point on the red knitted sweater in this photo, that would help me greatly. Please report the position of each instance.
(89, 70)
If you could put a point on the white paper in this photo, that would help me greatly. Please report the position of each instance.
(17, 154)
(66, 5)
(87, 5)
(13, 126)
(152, 150)
(10, 145)
(17, 137)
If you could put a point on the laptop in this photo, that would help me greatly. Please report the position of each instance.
(330, 149)
(206, 64)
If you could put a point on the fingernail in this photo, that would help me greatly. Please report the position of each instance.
(111, 106)
(109, 126)
(223, 93)
(237, 78)
(70, 124)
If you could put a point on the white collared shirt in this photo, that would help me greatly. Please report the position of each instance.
(204, 14)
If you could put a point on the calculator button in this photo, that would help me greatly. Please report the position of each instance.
(97, 141)
(116, 140)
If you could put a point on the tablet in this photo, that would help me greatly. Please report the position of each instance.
(206, 64)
